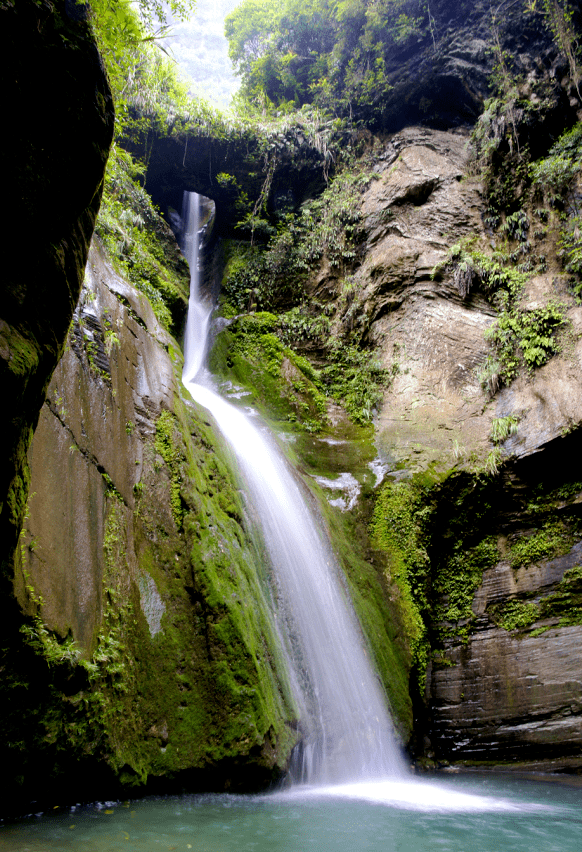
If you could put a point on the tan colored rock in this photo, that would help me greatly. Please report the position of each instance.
(418, 208)
(91, 424)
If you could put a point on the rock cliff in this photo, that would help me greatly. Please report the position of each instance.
(61, 129)
(501, 597)
(414, 334)
(139, 576)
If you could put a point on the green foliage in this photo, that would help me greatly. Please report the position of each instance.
(298, 327)
(272, 277)
(313, 51)
(516, 226)
(281, 379)
(356, 379)
(328, 224)
(553, 176)
(45, 643)
(473, 268)
(141, 77)
(456, 581)
(523, 338)
(503, 427)
(566, 602)
(488, 374)
(165, 446)
(399, 527)
(542, 501)
(520, 337)
(560, 15)
(553, 539)
(526, 338)
(514, 614)
(259, 279)
(491, 465)
(139, 242)
(570, 243)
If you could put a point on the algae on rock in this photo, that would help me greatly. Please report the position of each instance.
(129, 517)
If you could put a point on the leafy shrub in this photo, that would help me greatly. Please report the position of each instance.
(525, 337)
(553, 539)
(355, 379)
(553, 175)
(139, 242)
(516, 226)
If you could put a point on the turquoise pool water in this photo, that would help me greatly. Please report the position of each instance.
(453, 814)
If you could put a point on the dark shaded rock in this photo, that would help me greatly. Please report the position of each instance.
(187, 160)
(55, 148)
(506, 685)
(58, 129)
(442, 80)
(137, 544)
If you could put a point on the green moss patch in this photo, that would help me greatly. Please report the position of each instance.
(553, 539)
(515, 614)
(566, 602)
(456, 581)
(283, 383)
(398, 528)
(377, 605)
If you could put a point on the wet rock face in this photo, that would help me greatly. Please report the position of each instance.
(442, 80)
(139, 581)
(511, 696)
(420, 204)
(103, 401)
(505, 681)
(61, 125)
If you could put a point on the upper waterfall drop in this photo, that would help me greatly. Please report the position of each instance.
(196, 341)
(347, 732)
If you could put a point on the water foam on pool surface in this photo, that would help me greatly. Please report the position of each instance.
(412, 795)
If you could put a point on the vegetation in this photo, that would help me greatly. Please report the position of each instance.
(399, 527)
(554, 538)
(503, 427)
(530, 202)
(139, 242)
(456, 581)
(333, 55)
(273, 279)
(525, 338)
(164, 445)
(147, 91)
(522, 337)
(566, 602)
(515, 614)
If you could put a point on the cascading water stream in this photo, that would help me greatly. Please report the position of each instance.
(347, 732)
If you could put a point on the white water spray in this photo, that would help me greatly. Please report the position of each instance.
(347, 732)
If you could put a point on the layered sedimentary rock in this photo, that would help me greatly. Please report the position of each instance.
(511, 695)
(505, 681)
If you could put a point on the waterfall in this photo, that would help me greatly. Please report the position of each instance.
(347, 732)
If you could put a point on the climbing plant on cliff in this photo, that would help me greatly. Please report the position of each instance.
(561, 20)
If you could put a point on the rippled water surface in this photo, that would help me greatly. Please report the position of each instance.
(461, 814)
